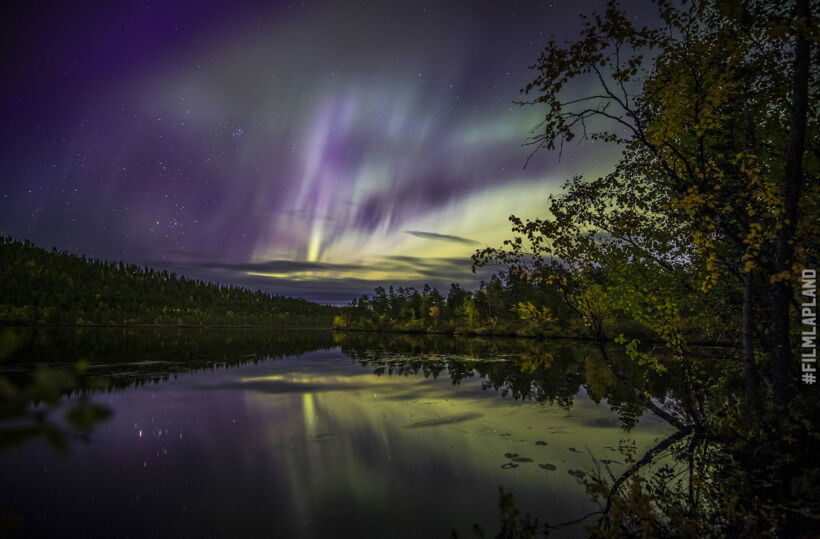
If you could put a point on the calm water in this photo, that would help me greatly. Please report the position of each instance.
(306, 435)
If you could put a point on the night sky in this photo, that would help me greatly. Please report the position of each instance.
(314, 149)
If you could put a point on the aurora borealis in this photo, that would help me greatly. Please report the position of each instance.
(313, 149)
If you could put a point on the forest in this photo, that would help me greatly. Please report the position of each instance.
(41, 287)
(509, 304)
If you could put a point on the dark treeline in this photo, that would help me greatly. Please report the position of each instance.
(39, 287)
(509, 304)
(110, 347)
(123, 357)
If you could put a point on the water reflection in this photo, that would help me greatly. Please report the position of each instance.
(390, 437)
(123, 357)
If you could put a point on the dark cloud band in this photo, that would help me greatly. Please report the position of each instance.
(441, 237)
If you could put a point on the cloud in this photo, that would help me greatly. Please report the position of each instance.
(441, 268)
(282, 266)
(339, 291)
(442, 237)
(327, 282)
(453, 262)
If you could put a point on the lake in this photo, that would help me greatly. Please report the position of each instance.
(235, 433)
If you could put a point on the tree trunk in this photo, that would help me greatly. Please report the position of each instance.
(781, 358)
(747, 329)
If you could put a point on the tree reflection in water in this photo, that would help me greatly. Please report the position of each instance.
(698, 480)
(703, 479)
(40, 368)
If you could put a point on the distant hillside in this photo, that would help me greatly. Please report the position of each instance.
(48, 287)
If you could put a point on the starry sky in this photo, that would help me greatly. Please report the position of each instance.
(313, 149)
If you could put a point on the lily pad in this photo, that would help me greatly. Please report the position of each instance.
(540, 442)
(547, 466)
(509, 466)
(510, 455)
(577, 473)
(522, 459)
